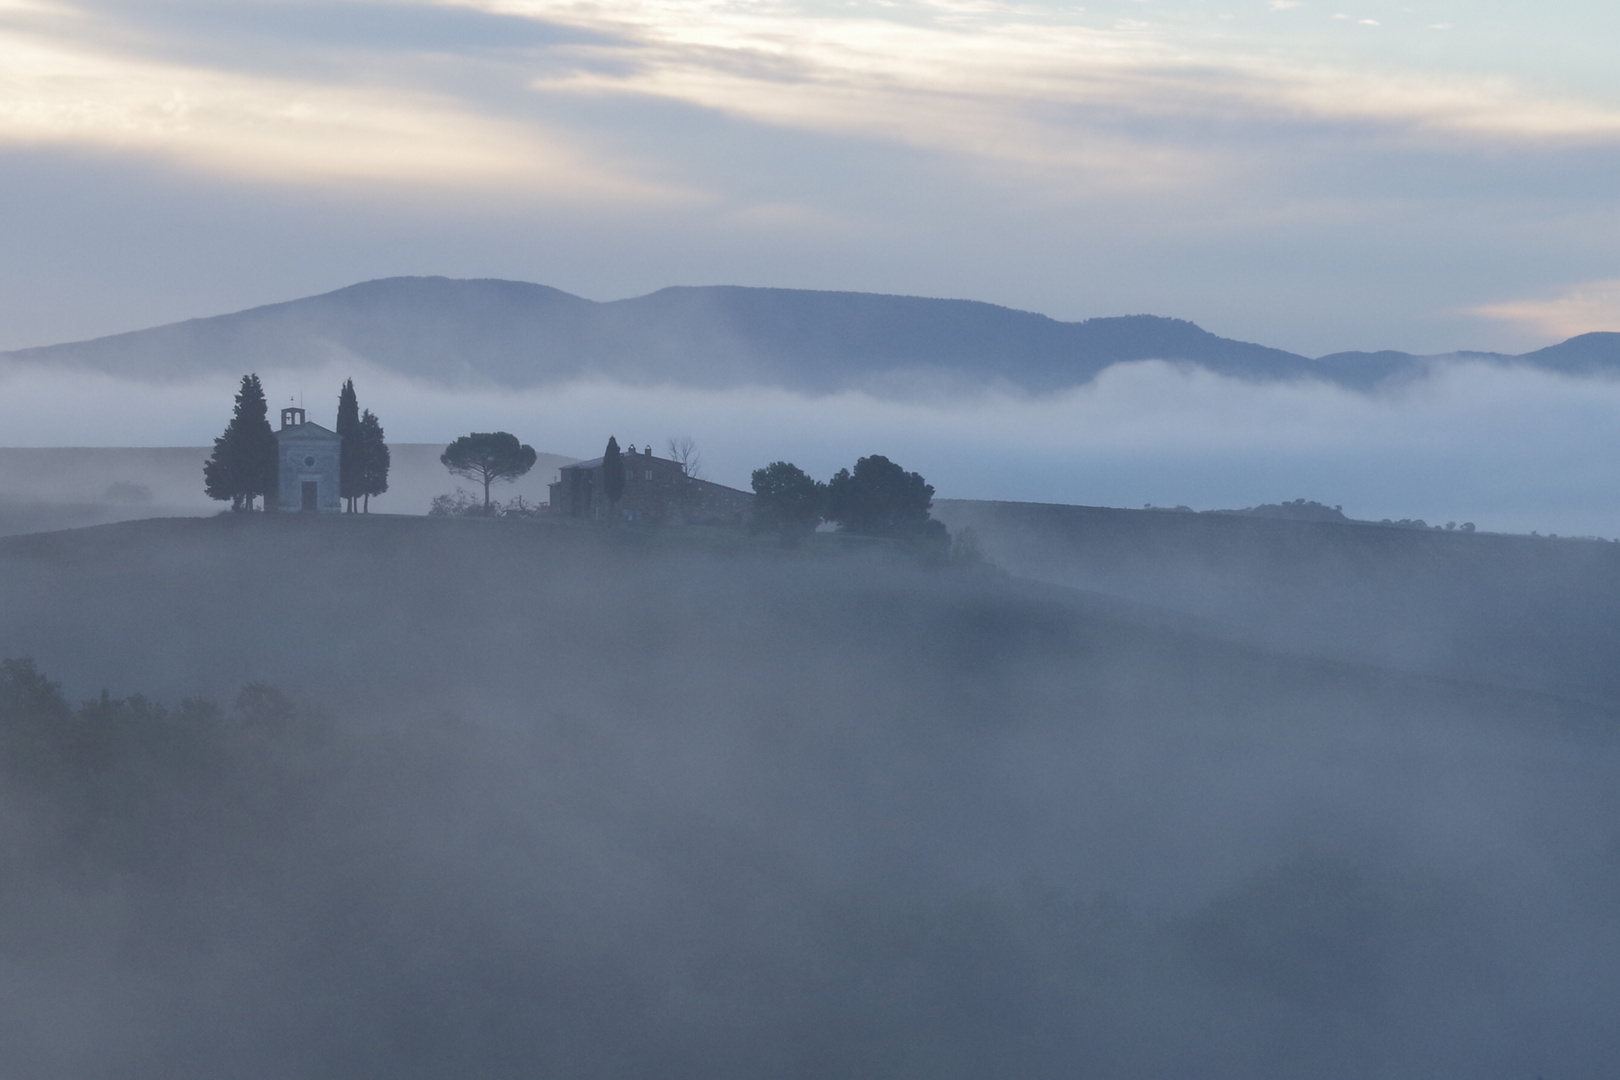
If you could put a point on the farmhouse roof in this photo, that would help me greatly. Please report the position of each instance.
(628, 459)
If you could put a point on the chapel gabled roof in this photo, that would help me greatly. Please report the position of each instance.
(308, 430)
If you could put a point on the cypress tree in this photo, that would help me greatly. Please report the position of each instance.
(243, 465)
(612, 476)
(374, 458)
(351, 462)
(262, 452)
(222, 472)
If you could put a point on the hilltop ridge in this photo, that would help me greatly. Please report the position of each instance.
(518, 334)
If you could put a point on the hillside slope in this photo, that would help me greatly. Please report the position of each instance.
(592, 803)
(1521, 611)
(516, 334)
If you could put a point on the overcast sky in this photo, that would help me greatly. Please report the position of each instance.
(1312, 174)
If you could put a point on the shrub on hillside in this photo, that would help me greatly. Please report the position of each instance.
(465, 504)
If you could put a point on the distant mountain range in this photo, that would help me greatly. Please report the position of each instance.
(515, 334)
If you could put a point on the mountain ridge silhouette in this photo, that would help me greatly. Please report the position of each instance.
(522, 335)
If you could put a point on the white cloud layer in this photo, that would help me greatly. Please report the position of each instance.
(1507, 448)
(60, 85)
(1020, 84)
(1016, 86)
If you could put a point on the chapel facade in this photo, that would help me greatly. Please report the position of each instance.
(309, 461)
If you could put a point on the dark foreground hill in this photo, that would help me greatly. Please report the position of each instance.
(516, 334)
(576, 803)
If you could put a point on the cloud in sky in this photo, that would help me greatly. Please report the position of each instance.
(1583, 309)
(1283, 179)
(986, 80)
(59, 87)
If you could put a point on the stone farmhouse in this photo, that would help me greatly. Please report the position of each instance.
(308, 458)
(656, 491)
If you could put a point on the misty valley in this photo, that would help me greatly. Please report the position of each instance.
(1144, 795)
(597, 693)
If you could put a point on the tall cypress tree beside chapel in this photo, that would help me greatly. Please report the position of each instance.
(352, 461)
(374, 458)
(243, 465)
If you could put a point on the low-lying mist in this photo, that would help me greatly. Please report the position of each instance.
(590, 803)
(1510, 449)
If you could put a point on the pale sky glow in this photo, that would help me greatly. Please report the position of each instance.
(1313, 176)
(853, 68)
(277, 130)
(1563, 316)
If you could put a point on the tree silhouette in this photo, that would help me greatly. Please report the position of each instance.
(684, 452)
(612, 476)
(787, 501)
(351, 460)
(487, 457)
(374, 458)
(879, 499)
(243, 465)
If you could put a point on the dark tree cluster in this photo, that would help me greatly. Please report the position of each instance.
(130, 780)
(876, 498)
(364, 465)
(787, 501)
(879, 498)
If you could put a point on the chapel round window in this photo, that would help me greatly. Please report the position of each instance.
(310, 460)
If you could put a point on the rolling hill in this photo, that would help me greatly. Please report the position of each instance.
(1532, 613)
(528, 800)
(515, 334)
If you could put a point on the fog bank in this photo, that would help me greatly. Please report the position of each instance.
(588, 803)
(1507, 448)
